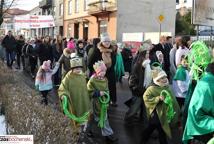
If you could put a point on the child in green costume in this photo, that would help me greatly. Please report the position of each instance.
(161, 107)
(74, 95)
(99, 93)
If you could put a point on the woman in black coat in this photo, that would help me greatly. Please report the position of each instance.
(104, 51)
(20, 44)
(45, 50)
(140, 78)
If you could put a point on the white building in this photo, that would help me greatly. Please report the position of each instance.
(142, 16)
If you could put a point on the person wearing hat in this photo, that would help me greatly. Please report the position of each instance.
(106, 53)
(161, 107)
(98, 89)
(44, 81)
(65, 60)
(73, 88)
(139, 79)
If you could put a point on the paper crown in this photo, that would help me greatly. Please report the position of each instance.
(76, 62)
(99, 66)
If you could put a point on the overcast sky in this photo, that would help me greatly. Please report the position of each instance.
(27, 4)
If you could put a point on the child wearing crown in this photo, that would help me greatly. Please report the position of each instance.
(99, 93)
(74, 95)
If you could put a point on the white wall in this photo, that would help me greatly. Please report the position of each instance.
(142, 16)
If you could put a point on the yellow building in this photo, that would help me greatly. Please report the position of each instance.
(86, 19)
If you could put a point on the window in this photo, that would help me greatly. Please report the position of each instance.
(60, 9)
(177, 1)
(185, 1)
(103, 27)
(86, 2)
(70, 7)
(76, 6)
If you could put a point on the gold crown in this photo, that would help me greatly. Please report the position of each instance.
(76, 62)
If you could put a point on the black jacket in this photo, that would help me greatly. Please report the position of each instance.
(20, 44)
(45, 52)
(9, 43)
(136, 80)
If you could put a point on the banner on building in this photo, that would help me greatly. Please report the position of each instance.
(33, 22)
(203, 12)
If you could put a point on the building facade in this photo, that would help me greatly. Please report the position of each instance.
(143, 17)
(58, 11)
(86, 19)
(36, 32)
(47, 9)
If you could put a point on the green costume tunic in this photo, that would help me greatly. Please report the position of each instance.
(74, 86)
(152, 102)
(93, 85)
(200, 120)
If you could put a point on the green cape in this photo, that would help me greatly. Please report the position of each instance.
(180, 74)
(74, 87)
(200, 120)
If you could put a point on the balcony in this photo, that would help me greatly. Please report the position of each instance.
(98, 7)
(45, 4)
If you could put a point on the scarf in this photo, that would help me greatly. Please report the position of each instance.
(147, 73)
(106, 55)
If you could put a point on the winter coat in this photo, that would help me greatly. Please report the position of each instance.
(136, 81)
(94, 87)
(95, 55)
(152, 102)
(31, 50)
(9, 43)
(46, 84)
(65, 61)
(20, 44)
(74, 86)
(165, 51)
(45, 52)
(57, 52)
(127, 59)
(200, 120)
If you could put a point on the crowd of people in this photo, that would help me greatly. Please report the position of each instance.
(171, 85)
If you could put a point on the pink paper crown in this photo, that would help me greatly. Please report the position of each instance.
(99, 66)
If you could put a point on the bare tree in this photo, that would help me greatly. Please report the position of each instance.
(5, 5)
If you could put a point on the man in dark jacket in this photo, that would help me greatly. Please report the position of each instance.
(9, 43)
(165, 51)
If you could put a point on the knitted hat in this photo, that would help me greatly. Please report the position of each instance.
(146, 45)
(46, 65)
(158, 74)
(105, 37)
(158, 53)
(75, 62)
(99, 67)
